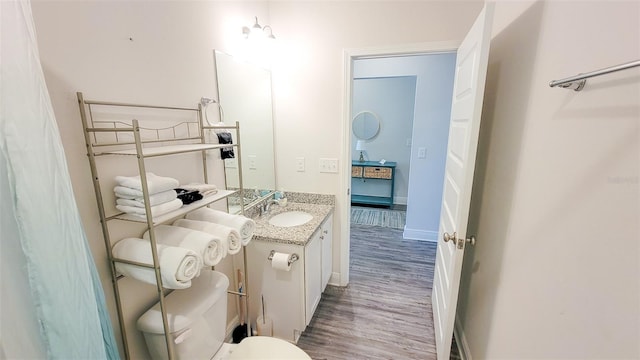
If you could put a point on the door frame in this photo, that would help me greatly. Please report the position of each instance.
(344, 195)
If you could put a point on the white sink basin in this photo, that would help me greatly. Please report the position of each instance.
(290, 218)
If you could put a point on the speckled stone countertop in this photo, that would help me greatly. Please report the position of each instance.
(295, 235)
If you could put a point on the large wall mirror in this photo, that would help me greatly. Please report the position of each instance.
(244, 93)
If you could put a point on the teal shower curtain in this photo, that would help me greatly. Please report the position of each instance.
(66, 294)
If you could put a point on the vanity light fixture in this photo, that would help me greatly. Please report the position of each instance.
(270, 36)
(258, 31)
(360, 147)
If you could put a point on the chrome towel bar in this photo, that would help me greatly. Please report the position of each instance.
(577, 82)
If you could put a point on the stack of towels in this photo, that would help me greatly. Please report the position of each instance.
(204, 238)
(162, 196)
(165, 194)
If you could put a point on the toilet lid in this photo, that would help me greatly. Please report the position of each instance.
(265, 347)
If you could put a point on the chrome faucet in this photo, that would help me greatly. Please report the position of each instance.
(266, 206)
(270, 202)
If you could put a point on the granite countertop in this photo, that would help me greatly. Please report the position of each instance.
(296, 235)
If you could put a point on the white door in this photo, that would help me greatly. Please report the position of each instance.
(468, 91)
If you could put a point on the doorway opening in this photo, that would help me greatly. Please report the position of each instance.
(395, 62)
(428, 147)
(410, 96)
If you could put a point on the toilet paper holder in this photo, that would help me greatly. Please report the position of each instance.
(292, 258)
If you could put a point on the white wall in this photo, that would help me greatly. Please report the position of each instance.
(434, 89)
(392, 99)
(555, 208)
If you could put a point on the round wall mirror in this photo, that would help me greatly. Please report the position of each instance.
(365, 125)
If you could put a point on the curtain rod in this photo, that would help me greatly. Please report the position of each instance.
(577, 82)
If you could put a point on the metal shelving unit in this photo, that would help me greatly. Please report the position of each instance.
(119, 145)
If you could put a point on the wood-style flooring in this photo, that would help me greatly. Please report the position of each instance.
(385, 311)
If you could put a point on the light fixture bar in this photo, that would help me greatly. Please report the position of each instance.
(258, 29)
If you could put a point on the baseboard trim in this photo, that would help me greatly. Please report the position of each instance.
(422, 235)
(461, 341)
(400, 200)
(334, 280)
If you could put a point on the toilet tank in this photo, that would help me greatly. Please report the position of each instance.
(197, 318)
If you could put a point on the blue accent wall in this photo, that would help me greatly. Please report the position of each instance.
(392, 99)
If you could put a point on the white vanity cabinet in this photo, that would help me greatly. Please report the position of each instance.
(291, 297)
(326, 236)
(312, 275)
(317, 257)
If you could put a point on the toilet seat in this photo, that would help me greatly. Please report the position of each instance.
(265, 347)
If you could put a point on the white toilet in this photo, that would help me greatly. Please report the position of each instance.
(197, 322)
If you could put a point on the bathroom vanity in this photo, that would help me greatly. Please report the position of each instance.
(291, 297)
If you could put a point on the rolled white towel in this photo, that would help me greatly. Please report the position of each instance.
(155, 183)
(154, 199)
(177, 265)
(231, 235)
(244, 225)
(157, 210)
(209, 247)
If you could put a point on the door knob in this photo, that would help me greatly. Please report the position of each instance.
(448, 237)
(471, 240)
(454, 238)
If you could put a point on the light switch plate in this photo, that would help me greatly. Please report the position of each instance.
(252, 162)
(422, 153)
(300, 164)
(328, 165)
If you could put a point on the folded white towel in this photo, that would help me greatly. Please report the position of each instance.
(154, 199)
(128, 193)
(209, 247)
(177, 265)
(231, 236)
(155, 183)
(203, 189)
(244, 225)
(155, 210)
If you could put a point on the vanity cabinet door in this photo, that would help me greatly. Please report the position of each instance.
(312, 274)
(327, 254)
